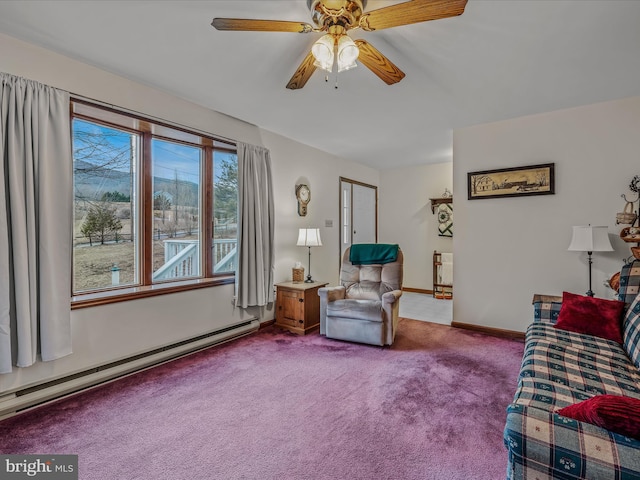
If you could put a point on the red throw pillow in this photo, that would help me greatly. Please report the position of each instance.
(592, 316)
(613, 412)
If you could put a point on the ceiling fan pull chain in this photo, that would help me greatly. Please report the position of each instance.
(336, 85)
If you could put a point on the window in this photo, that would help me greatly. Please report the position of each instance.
(176, 216)
(105, 189)
(225, 211)
(154, 206)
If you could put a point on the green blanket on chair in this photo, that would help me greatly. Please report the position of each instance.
(373, 253)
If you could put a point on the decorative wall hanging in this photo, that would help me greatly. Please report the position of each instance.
(629, 216)
(444, 208)
(512, 182)
(303, 194)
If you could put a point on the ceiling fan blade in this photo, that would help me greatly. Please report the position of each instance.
(303, 73)
(375, 61)
(245, 24)
(415, 11)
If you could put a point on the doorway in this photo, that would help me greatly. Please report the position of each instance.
(358, 213)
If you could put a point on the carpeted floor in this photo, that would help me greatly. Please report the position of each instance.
(278, 406)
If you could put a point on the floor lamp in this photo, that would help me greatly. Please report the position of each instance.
(590, 239)
(309, 237)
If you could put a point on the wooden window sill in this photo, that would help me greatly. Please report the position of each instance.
(95, 299)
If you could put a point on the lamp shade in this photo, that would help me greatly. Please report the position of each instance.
(348, 51)
(590, 239)
(309, 237)
(322, 51)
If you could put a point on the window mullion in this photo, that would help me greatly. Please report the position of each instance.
(146, 208)
(207, 213)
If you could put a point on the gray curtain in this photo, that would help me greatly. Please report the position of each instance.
(35, 222)
(254, 277)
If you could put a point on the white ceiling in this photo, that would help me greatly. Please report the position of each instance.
(500, 59)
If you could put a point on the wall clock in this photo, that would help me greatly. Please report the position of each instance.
(303, 194)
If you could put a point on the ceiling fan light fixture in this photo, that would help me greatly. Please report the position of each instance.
(343, 67)
(348, 52)
(336, 18)
(322, 51)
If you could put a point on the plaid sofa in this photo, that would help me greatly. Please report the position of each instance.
(561, 368)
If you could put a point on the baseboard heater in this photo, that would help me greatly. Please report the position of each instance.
(32, 396)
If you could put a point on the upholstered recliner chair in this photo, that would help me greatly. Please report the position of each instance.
(364, 308)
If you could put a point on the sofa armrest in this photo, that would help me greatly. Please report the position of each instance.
(391, 309)
(560, 447)
(546, 308)
(328, 294)
(391, 297)
(331, 294)
(546, 298)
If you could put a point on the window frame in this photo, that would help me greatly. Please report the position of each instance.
(147, 129)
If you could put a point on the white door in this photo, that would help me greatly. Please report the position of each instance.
(364, 215)
(358, 214)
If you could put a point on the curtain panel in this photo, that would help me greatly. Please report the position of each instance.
(254, 276)
(35, 222)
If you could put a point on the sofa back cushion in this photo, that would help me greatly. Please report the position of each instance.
(631, 331)
(370, 282)
(629, 282)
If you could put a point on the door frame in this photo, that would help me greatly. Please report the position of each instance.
(340, 206)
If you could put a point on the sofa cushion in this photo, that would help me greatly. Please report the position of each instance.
(631, 332)
(592, 316)
(545, 331)
(364, 290)
(578, 368)
(613, 412)
(547, 394)
(370, 310)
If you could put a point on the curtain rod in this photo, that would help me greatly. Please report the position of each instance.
(230, 141)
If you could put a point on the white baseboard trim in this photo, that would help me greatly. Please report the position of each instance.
(25, 398)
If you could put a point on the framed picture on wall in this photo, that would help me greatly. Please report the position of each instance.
(512, 182)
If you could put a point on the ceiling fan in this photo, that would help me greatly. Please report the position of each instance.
(335, 18)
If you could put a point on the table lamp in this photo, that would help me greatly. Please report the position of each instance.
(309, 237)
(590, 239)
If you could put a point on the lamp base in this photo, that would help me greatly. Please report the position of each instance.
(308, 280)
(590, 292)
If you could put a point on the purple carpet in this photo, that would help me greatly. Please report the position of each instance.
(278, 406)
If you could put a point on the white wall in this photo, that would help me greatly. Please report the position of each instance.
(406, 218)
(108, 333)
(507, 249)
(294, 163)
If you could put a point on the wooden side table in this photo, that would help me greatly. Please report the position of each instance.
(298, 306)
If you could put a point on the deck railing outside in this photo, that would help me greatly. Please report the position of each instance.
(181, 258)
